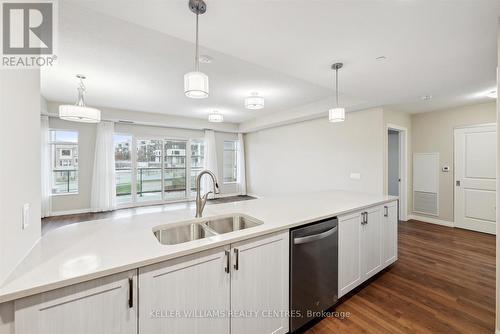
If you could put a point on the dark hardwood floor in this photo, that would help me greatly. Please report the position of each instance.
(443, 282)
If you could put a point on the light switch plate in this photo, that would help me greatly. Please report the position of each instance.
(26, 215)
(355, 176)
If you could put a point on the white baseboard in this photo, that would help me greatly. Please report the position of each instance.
(69, 212)
(432, 220)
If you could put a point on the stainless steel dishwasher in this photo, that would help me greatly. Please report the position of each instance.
(313, 270)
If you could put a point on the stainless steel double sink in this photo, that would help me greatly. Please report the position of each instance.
(204, 228)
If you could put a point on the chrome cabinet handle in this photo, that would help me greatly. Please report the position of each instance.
(130, 292)
(364, 216)
(237, 261)
(228, 255)
(386, 211)
(315, 237)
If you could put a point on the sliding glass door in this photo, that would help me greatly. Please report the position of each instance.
(152, 170)
(197, 163)
(123, 168)
(149, 169)
(175, 170)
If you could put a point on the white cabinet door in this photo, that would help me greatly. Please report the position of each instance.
(371, 250)
(186, 295)
(349, 252)
(102, 306)
(390, 234)
(259, 284)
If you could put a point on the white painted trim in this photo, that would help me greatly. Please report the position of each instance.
(431, 220)
(403, 165)
(68, 212)
(473, 126)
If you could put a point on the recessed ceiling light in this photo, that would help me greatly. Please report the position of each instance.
(205, 59)
(426, 97)
(381, 58)
(493, 94)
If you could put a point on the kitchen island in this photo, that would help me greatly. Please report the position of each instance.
(122, 257)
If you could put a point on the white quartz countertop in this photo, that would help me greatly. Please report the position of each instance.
(93, 249)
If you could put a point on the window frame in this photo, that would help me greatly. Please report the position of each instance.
(52, 164)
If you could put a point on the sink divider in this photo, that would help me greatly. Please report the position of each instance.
(208, 229)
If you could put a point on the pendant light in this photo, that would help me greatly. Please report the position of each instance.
(254, 102)
(336, 114)
(80, 112)
(215, 117)
(196, 82)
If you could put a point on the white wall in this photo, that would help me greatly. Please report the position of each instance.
(434, 132)
(393, 163)
(20, 167)
(80, 202)
(317, 155)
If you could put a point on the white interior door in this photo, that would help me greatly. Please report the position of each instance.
(475, 178)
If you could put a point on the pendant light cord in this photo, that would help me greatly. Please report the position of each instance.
(196, 62)
(81, 94)
(337, 86)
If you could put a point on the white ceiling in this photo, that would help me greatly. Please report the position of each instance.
(282, 49)
(134, 68)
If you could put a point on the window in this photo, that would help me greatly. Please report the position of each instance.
(197, 162)
(123, 167)
(230, 168)
(64, 157)
(149, 169)
(175, 170)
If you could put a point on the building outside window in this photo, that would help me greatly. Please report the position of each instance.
(230, 167)
(64, 157)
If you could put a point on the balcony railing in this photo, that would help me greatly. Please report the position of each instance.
(65, 181)
(149, 181)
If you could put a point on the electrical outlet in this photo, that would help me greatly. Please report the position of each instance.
(26, 215)
(355, 176)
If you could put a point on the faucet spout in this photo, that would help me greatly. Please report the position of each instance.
(201, 200)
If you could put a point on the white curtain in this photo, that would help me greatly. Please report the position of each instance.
(210, 160)
(46, 173)
(242, 180)
(103, 195)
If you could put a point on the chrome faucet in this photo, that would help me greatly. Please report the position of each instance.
(201, 201)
